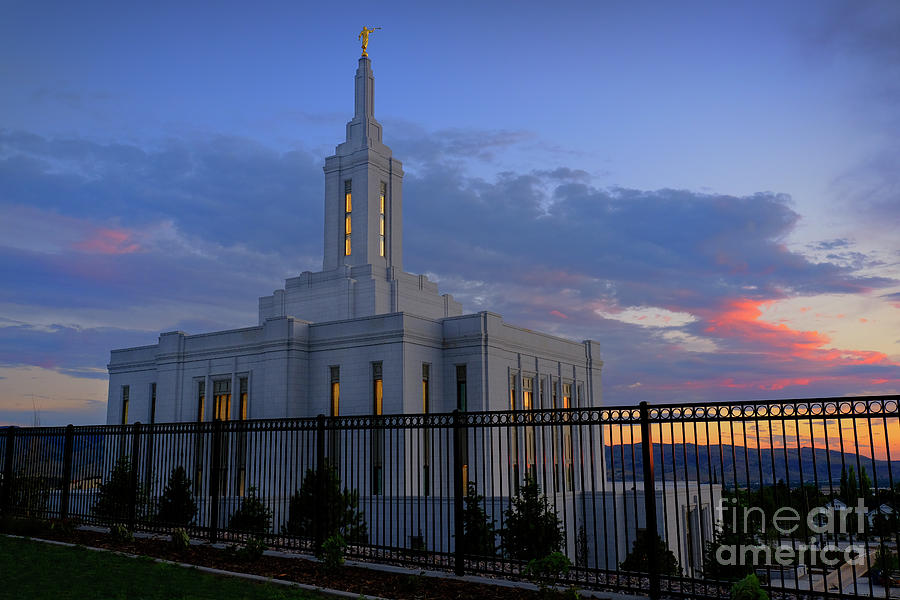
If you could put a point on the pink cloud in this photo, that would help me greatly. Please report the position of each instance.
(108, 241)
(556, 313)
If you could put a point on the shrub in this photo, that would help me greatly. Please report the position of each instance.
(120, 533)
(321, 503)
(639, 558)
(748, 589)
(180, 540)
(478, 532)
(252, 515)
(177, 505)
(115, 494)
(544, 572)
(332, 552)
(532, 528)
(251, 551)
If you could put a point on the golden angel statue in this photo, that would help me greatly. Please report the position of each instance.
(364, 36)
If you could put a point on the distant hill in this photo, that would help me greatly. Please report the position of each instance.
(728, 463)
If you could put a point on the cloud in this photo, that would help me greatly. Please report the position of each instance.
(105, 245)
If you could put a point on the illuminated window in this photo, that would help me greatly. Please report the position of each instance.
(381, 220)
(152, 403)
(240, 483)
(243, 409)
(348, 208)
(377, 434)
(335, 391)
(377, 389)
(567, 439)
(426, 435)
(461, 404)
(514, 436)
(126, 392)
(198, 445)
(528, 404)
(222, 399)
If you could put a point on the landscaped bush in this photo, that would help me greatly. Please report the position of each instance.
(177, 505)
(332, 552)
(748, 589)
(252, 515)
(546, 571)
(321, 503)
(116, 493)
(638, 559)
(532, 528)
(478, 531)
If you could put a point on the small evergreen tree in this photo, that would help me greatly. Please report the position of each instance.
(748, 589)
(252, 515)
(177, 506)
(115, 494)
(320, 502)
(638, 560)
(532, 528)
(478, 531)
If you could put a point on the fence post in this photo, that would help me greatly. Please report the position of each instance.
(68, 449)
(651, 532)
(319, 517)
(459, 442)
(6, 494)
(214, 484)
(135, 456)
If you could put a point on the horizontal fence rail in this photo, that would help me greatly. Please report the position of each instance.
(659, 500)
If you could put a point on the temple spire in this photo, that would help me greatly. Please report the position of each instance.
(363, 131)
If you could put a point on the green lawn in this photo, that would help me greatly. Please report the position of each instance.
(35, 570)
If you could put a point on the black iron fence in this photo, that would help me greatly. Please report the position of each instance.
(802, 493)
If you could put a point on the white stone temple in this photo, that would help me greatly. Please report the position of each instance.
(364, 337)
(330, 341)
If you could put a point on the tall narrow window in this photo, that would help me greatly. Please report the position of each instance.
(567, 439)
(335, 391)
(126, 393)
(241, 462)
(528, 404)
(513, 433)
(377, 390)
(580, 401)
(377, 433)
(334, 436)
(462, 406)
(244, 391)
(381, 219)
(198, 445)
(426, 435)
(348, 208)
(152, 403)
(461, 388)
(222, 399)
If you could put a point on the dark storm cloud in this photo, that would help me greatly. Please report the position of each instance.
(221, 188)
(203, 227)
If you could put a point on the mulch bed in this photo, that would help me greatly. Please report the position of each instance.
(357, 580)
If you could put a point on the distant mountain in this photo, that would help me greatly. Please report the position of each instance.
(728, 464)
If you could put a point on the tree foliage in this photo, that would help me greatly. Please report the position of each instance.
(638, 560)
(479, 532)
(116, 493)
(177, 505)
(320, 505)
(532, 528)
(252, 515)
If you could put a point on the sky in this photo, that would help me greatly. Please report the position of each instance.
(710, 190)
